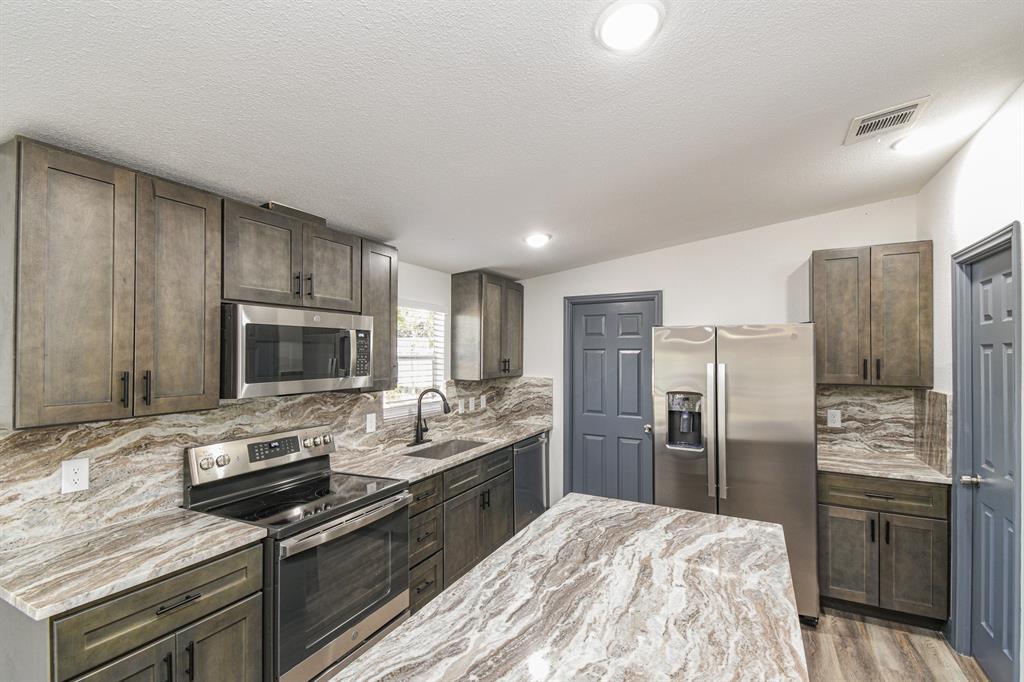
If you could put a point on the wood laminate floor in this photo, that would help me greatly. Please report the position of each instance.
(848, 647)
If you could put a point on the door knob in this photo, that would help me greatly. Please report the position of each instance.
(647, 428)
(970, 480)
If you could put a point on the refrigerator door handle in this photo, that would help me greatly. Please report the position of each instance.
(720, 421)
(709, 434)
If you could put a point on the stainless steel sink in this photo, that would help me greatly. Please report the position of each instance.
(446, 449)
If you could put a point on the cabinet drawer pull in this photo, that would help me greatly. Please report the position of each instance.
(190, 670)
(458, 484)
(887, 524)
(872, 524)
(421, 538)
(147, 387)
(298, 284)
(126, 379)
(424, 585)
(879, 496)
(865, 369)
(309, 278)
(187, 599)
(878, 368)
(169, 663)
(423, 496)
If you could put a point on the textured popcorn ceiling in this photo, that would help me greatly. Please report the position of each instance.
(454, 127)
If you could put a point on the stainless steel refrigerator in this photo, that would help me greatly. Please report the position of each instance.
(734, 432)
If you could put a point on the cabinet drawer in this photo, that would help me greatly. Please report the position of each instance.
(426, 534)
(104, 632)
(471, 474)
(884, 494)
(426, 494)
(426, 581)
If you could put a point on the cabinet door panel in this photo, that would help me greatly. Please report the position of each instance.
(498, 516)
(224, 646)
(262, 255)
(177, 303)
(76, 281)
(154, 663)
(380, 301)
(901, 314)
(332, 266)
(462, 533)
(841, 311)
(512, 329)
(848, 554)
(914, 565)
(491, 318)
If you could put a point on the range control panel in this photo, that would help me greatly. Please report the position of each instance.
(362, 366)
(215, 462)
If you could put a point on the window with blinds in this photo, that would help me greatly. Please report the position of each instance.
(421, 361)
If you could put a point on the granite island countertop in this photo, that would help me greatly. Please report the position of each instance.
(597, 588)
(395, 461)
(897, 465)
(53, 577)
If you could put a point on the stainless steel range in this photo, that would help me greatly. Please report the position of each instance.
(336, 573)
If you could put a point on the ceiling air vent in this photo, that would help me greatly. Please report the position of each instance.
(882, 122)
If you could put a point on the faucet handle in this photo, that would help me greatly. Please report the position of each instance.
(423, 426)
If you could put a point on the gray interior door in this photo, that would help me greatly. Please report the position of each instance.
(610, 377)
(994, 595)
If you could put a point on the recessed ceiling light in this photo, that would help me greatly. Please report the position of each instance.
(538, 239)
(629, 25)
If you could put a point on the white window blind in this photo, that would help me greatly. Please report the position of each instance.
(421, 360)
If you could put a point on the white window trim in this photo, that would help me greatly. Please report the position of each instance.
(431, 403)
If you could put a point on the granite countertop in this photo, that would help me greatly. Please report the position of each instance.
(899, 465)
(606, 589)
(50, 578)
(395, 461)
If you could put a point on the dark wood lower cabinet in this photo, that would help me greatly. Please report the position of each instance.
(914, 565)
(848, 554)
(426, 581)
(153, 663)
(475, 524)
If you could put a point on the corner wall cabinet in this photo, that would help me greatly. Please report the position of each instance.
(872, 308)
(380, 300)
(878, 554)
(487, 327)
(117, 278)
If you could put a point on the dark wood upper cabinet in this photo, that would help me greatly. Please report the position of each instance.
(487, 327)
(331, 267)
(841, 308)
(872, 309)
(177, 298)
(901, 314)
(380, 300)
(75, 287)
(262, 255)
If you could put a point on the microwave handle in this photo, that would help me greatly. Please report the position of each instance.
(344, 526)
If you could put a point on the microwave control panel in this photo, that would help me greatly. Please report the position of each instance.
(362, 366)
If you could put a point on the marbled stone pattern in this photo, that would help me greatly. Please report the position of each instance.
(899, 465)
(136, 465)
(602, 589)
(933, 433)
(53, 577)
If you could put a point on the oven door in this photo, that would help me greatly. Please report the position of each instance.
(338, 584)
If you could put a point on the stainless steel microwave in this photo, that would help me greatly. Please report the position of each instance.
(268, 350)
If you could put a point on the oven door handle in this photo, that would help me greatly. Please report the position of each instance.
(343, 526)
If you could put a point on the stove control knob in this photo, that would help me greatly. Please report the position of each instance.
(318, 441)
(307, 442)
(327, 505)
(222, 460)
(327, 438)
(206, 463)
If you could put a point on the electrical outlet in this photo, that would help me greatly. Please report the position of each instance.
(472, 404)
(371, 422)
(74, 475)
(462, 406)
(835, 419)
(483, 400)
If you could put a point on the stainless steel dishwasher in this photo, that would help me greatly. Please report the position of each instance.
(531, 479)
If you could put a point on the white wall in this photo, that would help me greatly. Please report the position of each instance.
(755, 276)
(979, 191)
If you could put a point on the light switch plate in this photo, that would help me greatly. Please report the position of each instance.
(483, 400)
(371, 422)
(835, 419)
(472, 404)
(74, 475)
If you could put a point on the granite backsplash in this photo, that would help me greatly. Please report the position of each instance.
(885, 419)
(136, 465)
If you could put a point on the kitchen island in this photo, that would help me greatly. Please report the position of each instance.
(607, 589)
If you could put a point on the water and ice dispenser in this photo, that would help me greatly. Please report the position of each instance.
(684, 419)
